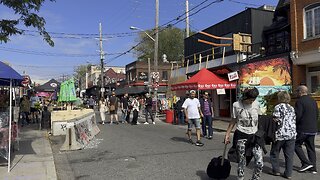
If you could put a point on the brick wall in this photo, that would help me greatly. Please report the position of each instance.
(297, 29)
(298, 75)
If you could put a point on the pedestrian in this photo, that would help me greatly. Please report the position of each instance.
(245, 116)
(148, 108)
(307, 115)
(207, 110)
(135, 108)
(102, 109)
(180, 112)
(34, 107)
(24, 110)
(91, 102)
(113, 108)
(46, 119)
(193, 113)
(285, 135)
(124, 108)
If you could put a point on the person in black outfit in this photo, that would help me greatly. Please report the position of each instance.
(149, 108)
(306, 121)
(125, 108)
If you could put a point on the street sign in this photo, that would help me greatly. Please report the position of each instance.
(25, 81)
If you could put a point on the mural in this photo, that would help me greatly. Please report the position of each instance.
(267, 76)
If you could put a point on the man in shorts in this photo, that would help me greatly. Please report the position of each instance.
(193, 113)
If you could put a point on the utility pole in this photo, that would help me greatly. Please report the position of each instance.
(149, 76)
(187, 19)
(101, 58)
(156, 45)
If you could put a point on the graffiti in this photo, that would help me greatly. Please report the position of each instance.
(64, 127)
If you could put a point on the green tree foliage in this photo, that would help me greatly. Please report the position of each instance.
(27, 11)
(171, 43)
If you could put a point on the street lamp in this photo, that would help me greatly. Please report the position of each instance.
(136, 28)
(155, 63)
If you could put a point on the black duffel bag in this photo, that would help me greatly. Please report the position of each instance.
(219, 167)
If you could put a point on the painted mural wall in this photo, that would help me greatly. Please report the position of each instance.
(267, 76)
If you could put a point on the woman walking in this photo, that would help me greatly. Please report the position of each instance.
(245, 116)
(102, 109)
(285, 117)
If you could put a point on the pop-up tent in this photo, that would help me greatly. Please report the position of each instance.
(204, 80)
(9, 77)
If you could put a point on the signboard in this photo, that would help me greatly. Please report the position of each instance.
(221, 91)
(233, 76)
(143, 76)
(156, 76)
(25, 81)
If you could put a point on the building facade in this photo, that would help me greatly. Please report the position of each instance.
(305, 38)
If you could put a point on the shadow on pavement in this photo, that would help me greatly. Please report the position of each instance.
(203, 176)
(180, 139)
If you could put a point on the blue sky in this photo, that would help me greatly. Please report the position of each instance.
(75, 24)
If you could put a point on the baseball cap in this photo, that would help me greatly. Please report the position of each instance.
(192, 91)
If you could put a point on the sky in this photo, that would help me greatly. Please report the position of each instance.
(74, 27)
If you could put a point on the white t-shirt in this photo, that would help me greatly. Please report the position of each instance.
(247, 116)
(192, 105)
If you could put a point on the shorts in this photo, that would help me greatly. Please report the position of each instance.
(195, 122)
(113, 112)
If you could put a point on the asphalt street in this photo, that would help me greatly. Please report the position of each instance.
(150, 152)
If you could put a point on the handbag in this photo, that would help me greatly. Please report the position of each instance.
(112, 107)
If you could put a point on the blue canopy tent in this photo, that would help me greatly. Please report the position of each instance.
(9, 77)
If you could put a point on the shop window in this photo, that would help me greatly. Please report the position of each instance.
(314, 84)
(312, 21)
(164, 75)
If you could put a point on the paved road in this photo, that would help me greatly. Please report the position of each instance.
(147, 152)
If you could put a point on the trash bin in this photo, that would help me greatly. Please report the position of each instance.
(169, 116)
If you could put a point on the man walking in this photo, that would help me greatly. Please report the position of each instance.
(192, 112)
(207, 110)
(113, 108)
(148, 109)
(306, 122)
(124, 108)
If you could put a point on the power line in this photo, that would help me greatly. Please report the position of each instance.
(243, 3)
(170, 25)
(39, 53)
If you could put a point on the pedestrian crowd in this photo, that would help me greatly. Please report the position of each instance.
(290, 127)
(293, 127)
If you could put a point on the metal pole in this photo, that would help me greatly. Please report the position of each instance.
(187, 19)
(149, 76)
(101, 58)
(156, 45)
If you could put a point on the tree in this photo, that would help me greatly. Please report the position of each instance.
(80, 73)
(27, 10)
(171, 43)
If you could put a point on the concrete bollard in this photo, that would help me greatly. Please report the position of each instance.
(70, 142)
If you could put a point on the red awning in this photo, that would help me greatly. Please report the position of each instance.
(204, 80)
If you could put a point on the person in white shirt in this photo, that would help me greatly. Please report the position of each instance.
(193, 114)
(135, 108)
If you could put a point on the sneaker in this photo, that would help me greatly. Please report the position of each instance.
(286, 177)
(102, 123)
(190, 141)
(305, 167)
(313, 170)
(210, 137)
(146, 123)
(275, 173)
(153, 123)
(111, 122)
(138, 123)
(199, 143)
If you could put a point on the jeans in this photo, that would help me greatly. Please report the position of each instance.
(207, 120)
(24, 116)
(149, 111)
(124, 113)
(288, 151)
(308, 141)
(135, 117)
(181, 117)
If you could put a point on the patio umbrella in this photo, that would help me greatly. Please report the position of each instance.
(67, 91)
(9, 77)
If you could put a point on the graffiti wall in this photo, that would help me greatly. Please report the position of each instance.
(267, 76)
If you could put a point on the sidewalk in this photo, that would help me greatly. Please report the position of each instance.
(34, 160)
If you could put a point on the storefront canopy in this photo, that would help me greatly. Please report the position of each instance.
(8, 74)
(49, 86)
(204, 80)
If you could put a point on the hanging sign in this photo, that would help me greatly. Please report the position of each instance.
(233, 76)
(221, 91)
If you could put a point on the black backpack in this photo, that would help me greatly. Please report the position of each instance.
(219, 167)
